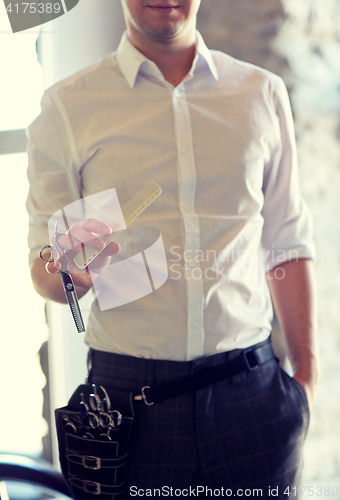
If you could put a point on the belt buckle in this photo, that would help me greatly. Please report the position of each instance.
(91, 487)
(90, 462)
(246, 359)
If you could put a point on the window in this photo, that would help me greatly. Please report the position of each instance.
(23, 328)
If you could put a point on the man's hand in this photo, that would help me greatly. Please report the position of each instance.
(309, 383)
(294, 299)
(82, 232)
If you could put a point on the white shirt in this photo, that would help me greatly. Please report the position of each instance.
(221, 145)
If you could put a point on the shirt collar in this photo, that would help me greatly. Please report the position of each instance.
(203, 51)
(131, 59)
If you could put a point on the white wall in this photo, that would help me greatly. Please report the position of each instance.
(73, 41)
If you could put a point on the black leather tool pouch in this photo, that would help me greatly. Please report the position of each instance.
(94, 443)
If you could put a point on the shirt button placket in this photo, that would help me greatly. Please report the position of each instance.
(187, 192)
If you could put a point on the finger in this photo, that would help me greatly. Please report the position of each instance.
(112, 249)
(87, 232)
(100, 263)
(90, 226)
(82, 232)
(52, 267)
(69, 242)
(66, 241)
(58, 258)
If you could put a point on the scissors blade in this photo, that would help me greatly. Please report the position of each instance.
(72, 300)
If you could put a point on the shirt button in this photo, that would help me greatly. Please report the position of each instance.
(177, 93)
(187, 207)
(184, 150)
(195, 325)
(192, 263)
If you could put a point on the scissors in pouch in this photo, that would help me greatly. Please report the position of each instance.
(66, 279)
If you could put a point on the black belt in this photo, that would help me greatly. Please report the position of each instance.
(249, 359)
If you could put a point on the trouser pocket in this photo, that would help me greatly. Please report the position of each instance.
(296, 391)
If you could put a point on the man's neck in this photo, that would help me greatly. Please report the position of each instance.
(174, 60)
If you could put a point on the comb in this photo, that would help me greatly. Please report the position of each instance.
(128, 214)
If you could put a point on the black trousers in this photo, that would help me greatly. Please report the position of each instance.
(240, 437)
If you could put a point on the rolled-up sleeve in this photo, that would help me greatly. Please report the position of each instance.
(52, 170)
(288, 226)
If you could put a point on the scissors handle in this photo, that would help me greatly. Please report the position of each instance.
(66, 278)
(51, 249)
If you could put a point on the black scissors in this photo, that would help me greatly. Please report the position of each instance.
(66, 279)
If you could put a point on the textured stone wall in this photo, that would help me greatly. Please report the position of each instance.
(300, 41)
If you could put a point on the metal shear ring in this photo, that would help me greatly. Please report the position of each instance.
(57, 236)
(105, 420)
(51, 249)
(93, 420)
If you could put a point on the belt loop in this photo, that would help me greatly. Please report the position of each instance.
(149, 372)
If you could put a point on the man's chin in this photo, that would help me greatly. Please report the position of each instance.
(163, 34)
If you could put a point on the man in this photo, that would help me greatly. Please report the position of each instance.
(216, 134)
